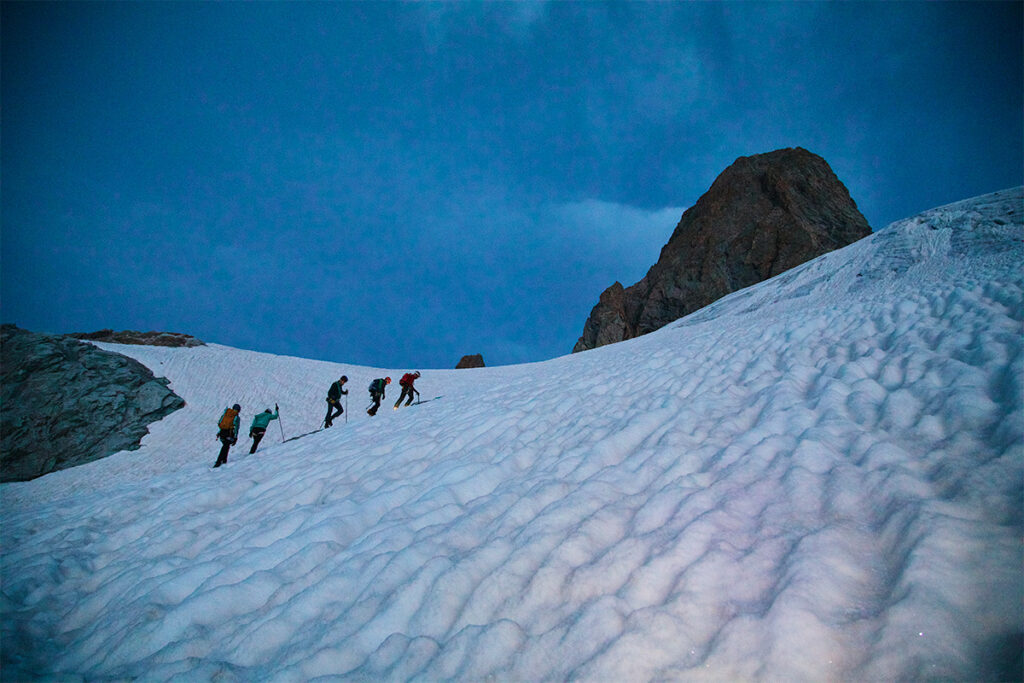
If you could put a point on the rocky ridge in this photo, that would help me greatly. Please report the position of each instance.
(144, 338)
(762, 216)
(64, 403)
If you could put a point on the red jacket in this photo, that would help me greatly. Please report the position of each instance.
(407, 379)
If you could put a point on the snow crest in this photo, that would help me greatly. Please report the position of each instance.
(817, 478)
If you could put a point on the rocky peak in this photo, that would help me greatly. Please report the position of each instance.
(762, 216)
(474, 361)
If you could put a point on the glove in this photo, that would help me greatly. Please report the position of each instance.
(250, 435)
(276, 409)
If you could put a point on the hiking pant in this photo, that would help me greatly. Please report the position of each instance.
(332, 405)
(257, 434)
(406, 389)
(227, 439)
(375, 397)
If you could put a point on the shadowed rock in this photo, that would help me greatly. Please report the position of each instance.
(65, 403)
(142, 338)
(474, 361)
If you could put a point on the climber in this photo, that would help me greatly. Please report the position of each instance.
(407, 387)
(377, 388)
(334, 395)
(228, 434)
(259, 426)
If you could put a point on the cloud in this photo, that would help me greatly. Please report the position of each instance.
(439, 21)
(616, 236)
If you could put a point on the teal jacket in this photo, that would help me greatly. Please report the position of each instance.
(262, 420)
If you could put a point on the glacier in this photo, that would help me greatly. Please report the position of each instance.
(820, 477)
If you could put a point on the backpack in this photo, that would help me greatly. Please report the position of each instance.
(407, 379)
(227, 420)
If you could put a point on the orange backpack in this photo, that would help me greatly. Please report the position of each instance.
(227, 420)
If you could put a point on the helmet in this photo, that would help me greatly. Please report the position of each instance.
(236, 407)
(268, 410)
(344, 378)
(417, 373)
(387, 380)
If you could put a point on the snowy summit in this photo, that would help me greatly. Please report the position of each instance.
(815, 478)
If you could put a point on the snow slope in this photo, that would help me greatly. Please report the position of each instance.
(817, 478)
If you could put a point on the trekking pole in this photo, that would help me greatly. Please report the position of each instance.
(279, 423)
(346, 407)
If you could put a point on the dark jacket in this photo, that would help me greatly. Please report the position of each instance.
(336, 391)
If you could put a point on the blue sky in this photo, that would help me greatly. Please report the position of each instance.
(402, 184)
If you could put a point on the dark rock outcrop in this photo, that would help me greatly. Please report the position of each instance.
(64, 403)
(763, 215)
(142, 338)
(474, 361)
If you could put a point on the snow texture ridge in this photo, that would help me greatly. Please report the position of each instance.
(816, 478)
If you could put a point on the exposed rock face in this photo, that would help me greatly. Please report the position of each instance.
(474, 361)
(763, 215)
(144, 338)
(65, 403)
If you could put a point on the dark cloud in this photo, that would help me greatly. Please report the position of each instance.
(393, 184)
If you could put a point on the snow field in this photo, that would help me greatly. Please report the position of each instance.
(817, 478)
